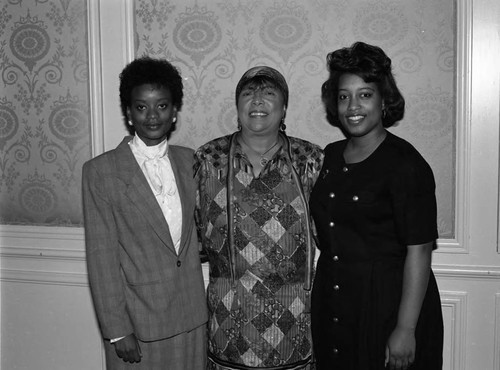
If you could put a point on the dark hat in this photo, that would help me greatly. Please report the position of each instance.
(266, 73)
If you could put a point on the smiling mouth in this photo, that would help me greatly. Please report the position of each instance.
(258, 114)
(355, 119)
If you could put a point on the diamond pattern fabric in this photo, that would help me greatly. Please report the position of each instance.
(262, 317)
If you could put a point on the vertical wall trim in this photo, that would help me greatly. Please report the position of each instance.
(496, 343)
(463, 131)
(457, 302)
(95, 74)
(103, 356)
(117, 18)
(129, 30)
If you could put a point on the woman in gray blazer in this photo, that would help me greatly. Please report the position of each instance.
(142, 250)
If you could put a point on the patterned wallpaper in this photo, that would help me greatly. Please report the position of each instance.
(44, 111)
(214, 42)
(44, 115)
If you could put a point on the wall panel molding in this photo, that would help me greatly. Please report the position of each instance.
(37, 253)
(467, 272)
(29, 275)
(63, 244)
(456, 302)
(43, 255)
(44, 277)
(463, 109)
(42, 242)
(496, 344)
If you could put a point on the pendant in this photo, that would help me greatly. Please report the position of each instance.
(263, 161)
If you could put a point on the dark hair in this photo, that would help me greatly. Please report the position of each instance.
(146, 70)
(372, 65)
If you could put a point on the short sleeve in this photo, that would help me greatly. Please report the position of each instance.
(414, 201)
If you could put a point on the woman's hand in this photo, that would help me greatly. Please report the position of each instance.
(128, 349)
(400, 349)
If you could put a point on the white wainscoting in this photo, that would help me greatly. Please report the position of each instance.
(496, 345)
(454, 305)
(48, 321)
(47, 308)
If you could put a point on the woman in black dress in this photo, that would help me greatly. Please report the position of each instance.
(375, 302)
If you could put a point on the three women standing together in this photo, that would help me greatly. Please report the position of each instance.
(266, 201)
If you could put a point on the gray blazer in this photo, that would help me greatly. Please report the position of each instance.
(138, 283)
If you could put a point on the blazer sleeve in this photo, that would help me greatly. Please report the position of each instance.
(102, 252)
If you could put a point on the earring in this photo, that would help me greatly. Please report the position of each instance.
(174, 119)
(130, 122)
(239, 124)
(282, 125)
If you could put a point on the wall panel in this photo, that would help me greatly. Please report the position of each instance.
(454, 305)
(48, 326)
(44, 111)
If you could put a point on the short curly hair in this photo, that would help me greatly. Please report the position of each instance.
(372, 65)
(146, 70)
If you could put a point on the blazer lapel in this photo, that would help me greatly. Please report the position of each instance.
(184, 181)
(140, 193)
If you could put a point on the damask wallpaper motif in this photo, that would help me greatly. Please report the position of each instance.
(44, 111)
(44, 103)
(214, 42)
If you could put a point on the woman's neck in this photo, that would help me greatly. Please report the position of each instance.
(259, 150)
(258, 144)
(360, 148)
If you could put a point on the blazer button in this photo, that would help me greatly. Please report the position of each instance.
(178, 263)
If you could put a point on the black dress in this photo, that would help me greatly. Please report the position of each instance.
(365, 215)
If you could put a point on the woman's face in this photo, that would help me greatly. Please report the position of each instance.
(359, 106)
(151, 112)
(260, 108)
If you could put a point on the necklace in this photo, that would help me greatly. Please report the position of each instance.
(263, 159)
